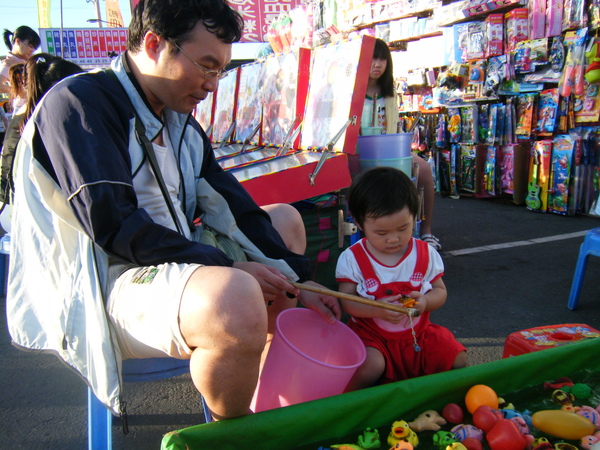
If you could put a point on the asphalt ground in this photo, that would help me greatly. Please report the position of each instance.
(507, 269)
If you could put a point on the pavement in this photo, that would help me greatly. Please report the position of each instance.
(507, 269)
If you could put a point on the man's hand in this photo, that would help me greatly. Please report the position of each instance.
(326, 305)
(272, 282)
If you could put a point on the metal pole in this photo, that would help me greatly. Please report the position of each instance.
(98, 16)
(62, 45)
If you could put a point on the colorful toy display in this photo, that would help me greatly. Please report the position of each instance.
(494, 429)
(540, 338)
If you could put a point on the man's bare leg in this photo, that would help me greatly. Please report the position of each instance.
(223, 318)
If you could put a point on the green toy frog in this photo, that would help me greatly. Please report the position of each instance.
(369, 439)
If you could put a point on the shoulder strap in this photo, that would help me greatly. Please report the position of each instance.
(364, 263)
(422, 256)
(140, 132)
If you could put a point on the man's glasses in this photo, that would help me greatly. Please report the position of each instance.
(208, 74)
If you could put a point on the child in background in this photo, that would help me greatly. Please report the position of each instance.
(382, 90)
(387, 265)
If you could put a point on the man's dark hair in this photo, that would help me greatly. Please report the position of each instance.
(382, 191)
(175, 19)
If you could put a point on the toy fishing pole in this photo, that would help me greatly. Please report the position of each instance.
(411, 312)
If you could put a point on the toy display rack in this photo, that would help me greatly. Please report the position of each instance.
(292, 133)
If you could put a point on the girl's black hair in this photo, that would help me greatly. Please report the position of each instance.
(24, 33)
(174, 19)
(44, 70)
(386, 80)
(381, 191)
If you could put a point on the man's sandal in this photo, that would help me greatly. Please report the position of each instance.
(432, 240)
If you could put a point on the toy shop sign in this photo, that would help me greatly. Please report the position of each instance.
(259, 14)
(88, 47)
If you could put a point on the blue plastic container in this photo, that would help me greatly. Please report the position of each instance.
(403, 164)
(385, 146)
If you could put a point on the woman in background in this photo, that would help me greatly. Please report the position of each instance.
(381, 87)
(16, 91)
(43, 71)
(21, 44)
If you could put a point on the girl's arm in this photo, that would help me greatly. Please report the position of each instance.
(433, 299)
(366, 311)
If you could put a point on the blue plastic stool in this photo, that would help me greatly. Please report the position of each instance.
(134, 370)
(590, 246)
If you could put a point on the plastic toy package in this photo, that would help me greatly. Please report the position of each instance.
(522, 58)
(454, 125)
(547, 112)
(573, 74)
(501, 137)
(489, 179)
(492, 120)
(539, 174)
(469, 122)
(588, 198)
(483, 122)
(562, 157)
(468, 168)
(586, 107)
(526, 104)
(516, 28)
(507, 164)
(510, 122)
(494, 35)
(496, 73)
(573, 14)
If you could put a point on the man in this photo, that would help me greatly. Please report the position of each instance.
(95, 232)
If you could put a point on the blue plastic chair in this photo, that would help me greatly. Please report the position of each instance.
(151, 369)
(590, 246)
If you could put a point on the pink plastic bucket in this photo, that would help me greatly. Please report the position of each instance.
(309, 359)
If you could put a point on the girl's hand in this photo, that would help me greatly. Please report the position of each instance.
(421, 300)
(387, 315)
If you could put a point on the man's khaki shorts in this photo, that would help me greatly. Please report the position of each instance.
(143, 306)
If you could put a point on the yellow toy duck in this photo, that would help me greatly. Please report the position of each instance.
(402, 432)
